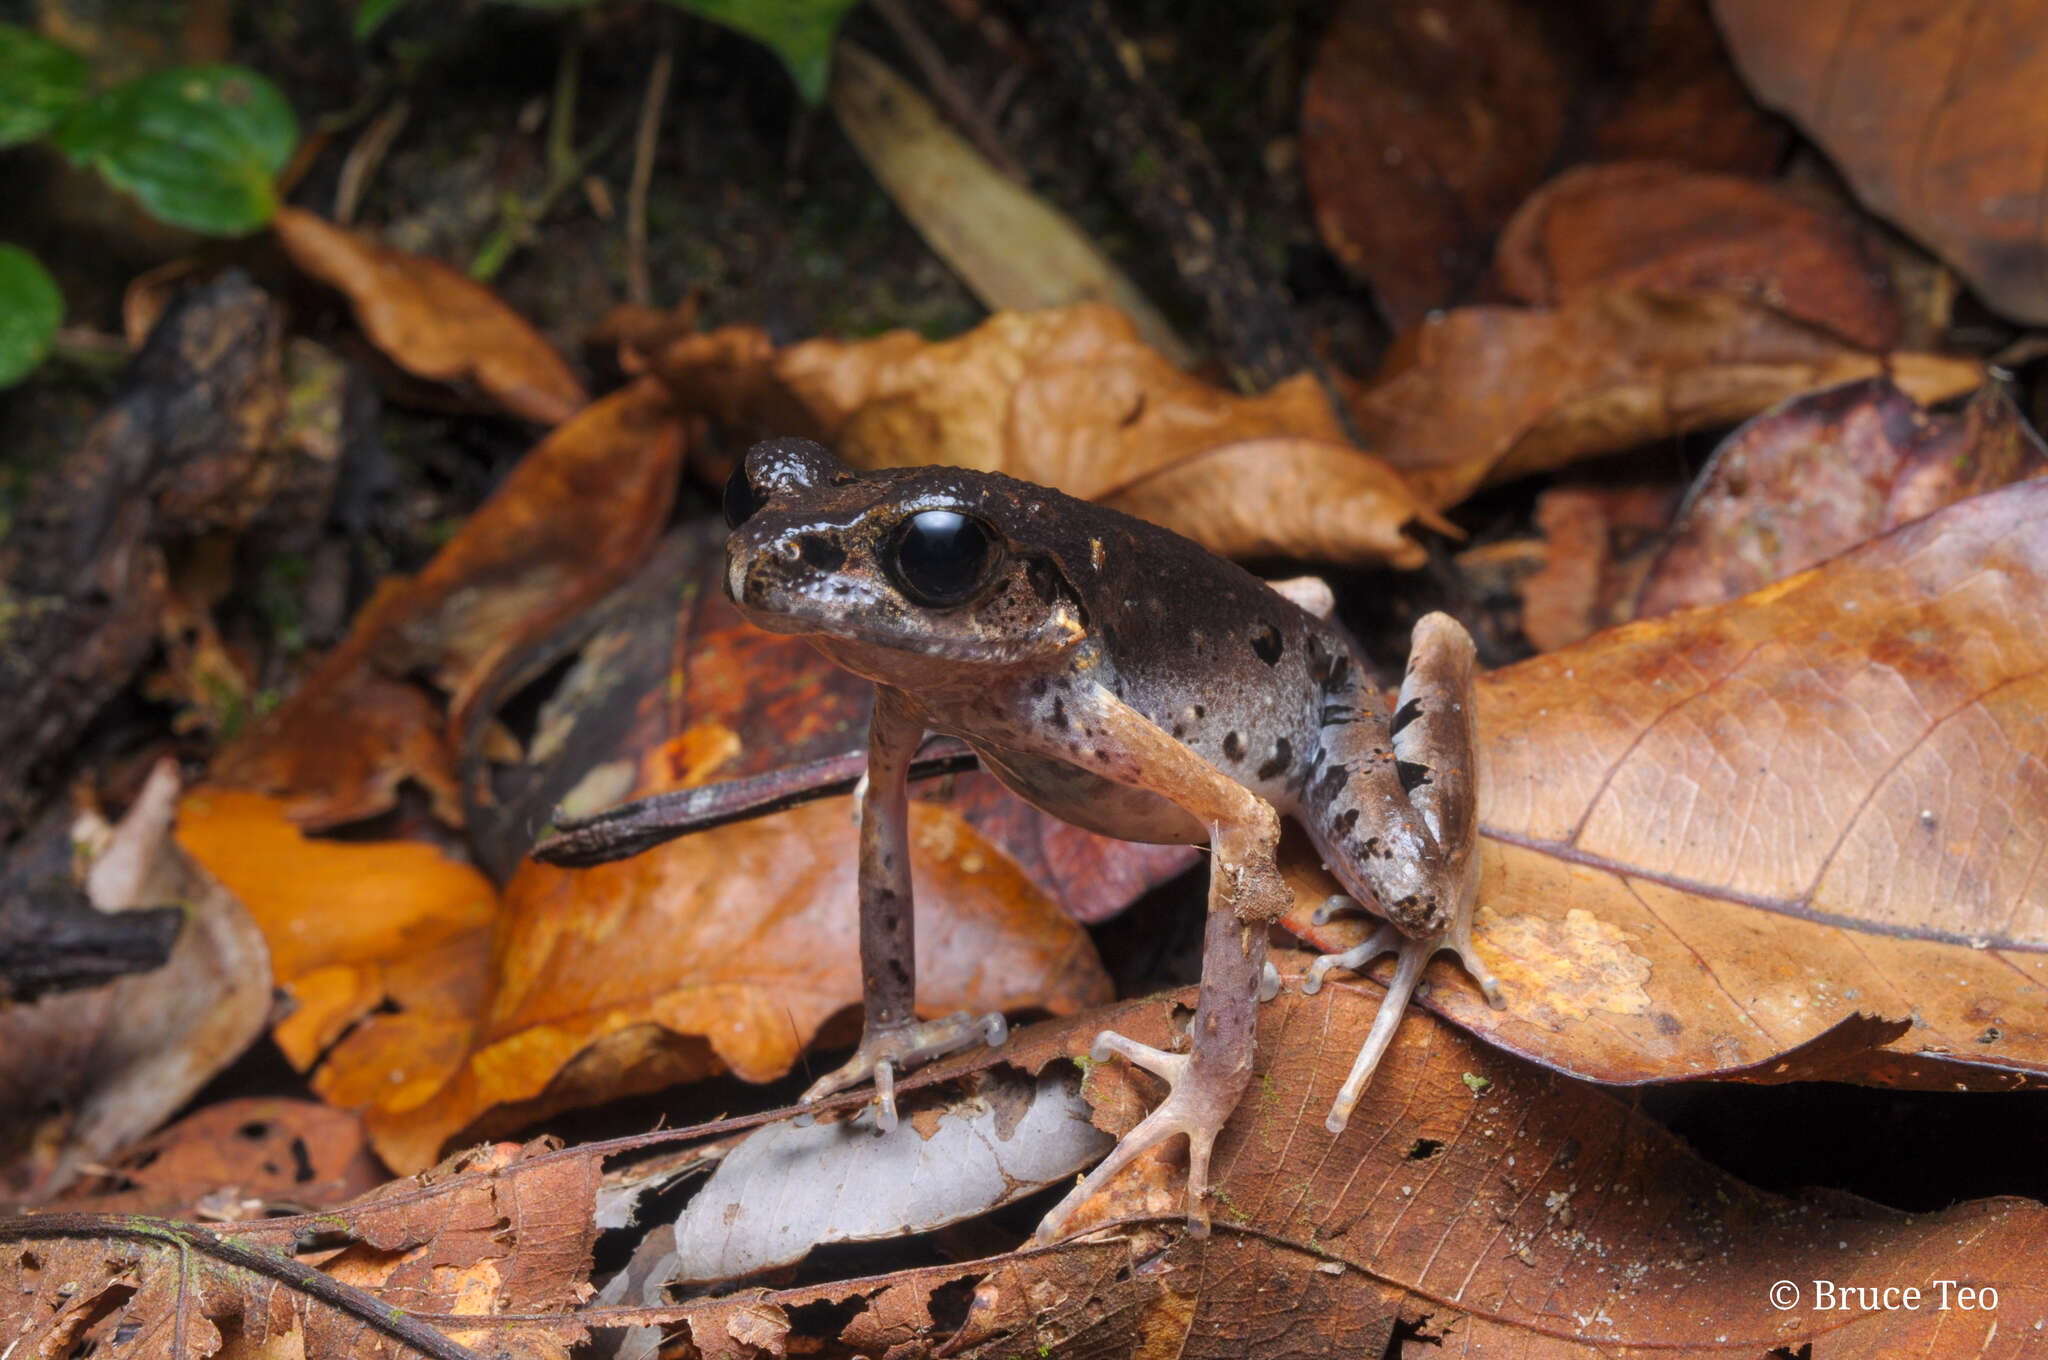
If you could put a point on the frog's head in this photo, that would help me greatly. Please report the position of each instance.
(889, 571)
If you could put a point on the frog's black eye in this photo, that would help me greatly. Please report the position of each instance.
(741, 499)
(941, 557)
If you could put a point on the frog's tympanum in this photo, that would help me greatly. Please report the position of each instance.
(1126, 680)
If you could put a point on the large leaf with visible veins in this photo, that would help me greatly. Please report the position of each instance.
(1713, 837)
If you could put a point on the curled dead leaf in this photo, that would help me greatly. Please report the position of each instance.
(84, 1073)
(1825, 471)
(433, 321)
(1659, 227)
(1069, 398)
(1486, 394)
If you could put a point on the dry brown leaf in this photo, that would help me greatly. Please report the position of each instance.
(1422, 126)
(1933, 111)
(237, 1160)
(1485, 394)
(433, 321)
(1822, 473)
(1475, 1200)
(1713, 837)
(572, 520)
(502, 1230)
(84, 1073)
(1424, 123)
(1658, 227)
(1071, 399)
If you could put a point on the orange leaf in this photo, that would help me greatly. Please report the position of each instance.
(1070, 398)
(573, 519)
(433, 321)
(728, 949)
(335, 913)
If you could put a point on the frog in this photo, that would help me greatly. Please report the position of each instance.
(1125, 679)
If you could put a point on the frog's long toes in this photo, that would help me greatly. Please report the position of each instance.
(1385, 940)
(1168, 1067)
(884, 1053)
(1411, 956)
(1460, 943)
(1332, 906)
(1193, 1106)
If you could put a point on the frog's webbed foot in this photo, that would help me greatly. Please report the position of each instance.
(897, 1048)
(1411, 955)
(1198, 1102)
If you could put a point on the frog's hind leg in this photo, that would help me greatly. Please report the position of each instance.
(1397, 823)
(1246, 893)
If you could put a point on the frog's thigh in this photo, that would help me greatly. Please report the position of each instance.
(1123, 744)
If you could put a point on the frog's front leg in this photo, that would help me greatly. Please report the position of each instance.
(1398, 821)
(1246, 894)
(893, 1040)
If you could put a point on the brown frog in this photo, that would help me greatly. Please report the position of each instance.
(1126, 680)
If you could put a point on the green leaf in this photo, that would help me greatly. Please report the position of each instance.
(199, 145)
(39, 82)
(371, 14)
(31, 309)
(798, 31)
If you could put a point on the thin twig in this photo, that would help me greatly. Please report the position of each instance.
(366, 1308)
(562, 118)
(518, 217)
(630, 828)
(931, 63)
(639, 288)
(364, 158)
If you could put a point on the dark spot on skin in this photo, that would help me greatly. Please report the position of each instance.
(1346, 819)
(1201, 712)
(1059, 712)
(1333, 781)
(1412, 775)
(1338, 715)
(821, 553)
(1282, 757)
(1233, 746)
(1267, 643)
(1038, 688)
(1374, 848)
(1407, 713)
(1180, 732)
